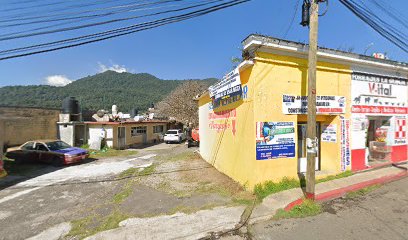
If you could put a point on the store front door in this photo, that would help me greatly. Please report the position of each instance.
(302, 152)
(377, 149)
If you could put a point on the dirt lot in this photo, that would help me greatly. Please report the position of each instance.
(96, 196)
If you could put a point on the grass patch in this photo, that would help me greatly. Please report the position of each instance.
(344, 174)
(107, 152)
(180, 157)
(306, 209)
(130, 172)
(122, 195)
(269, 187)
(91, 225)
(362, 191)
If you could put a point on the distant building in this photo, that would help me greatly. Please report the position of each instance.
(121, 135)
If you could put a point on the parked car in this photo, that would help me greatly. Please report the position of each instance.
(3, 172)
(174, 135)
(55, 152)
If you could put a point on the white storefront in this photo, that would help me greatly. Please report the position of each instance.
(379, 118)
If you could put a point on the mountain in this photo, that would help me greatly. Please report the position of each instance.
(100, 91)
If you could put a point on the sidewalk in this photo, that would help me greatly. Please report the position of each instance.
(326, 190)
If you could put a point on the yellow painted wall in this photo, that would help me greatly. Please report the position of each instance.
(270, 78)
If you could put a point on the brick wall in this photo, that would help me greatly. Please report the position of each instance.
(24, 124)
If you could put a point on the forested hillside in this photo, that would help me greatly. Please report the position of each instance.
(99, 91)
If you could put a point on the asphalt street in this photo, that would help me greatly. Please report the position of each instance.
(380, 214)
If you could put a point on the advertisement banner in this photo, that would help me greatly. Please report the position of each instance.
(401, 129)
(345, 154)
(378, 95)
(324, 104)
(275, 140)
(329, 133)
(227, 91)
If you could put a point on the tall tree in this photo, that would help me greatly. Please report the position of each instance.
(180, 104)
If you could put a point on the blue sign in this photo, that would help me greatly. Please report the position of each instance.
(275, 140)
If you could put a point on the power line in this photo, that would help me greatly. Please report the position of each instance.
(131, 29)
(102, 23)
(293, 19)
(378, 25)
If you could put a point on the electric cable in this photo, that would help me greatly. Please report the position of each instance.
(137, 28)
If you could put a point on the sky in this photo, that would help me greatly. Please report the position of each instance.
(197, 48)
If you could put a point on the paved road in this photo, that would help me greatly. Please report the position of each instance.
(381, 214)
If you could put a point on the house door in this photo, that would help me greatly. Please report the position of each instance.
(121, 137)
(302, 151)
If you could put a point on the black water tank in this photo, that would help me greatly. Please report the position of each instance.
(134, 112)
(70, 106)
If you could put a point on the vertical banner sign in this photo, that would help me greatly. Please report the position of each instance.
(275, 140)
(345, 143)
(401, 129)
(227, 91)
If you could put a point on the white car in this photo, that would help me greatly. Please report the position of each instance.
(174, 135)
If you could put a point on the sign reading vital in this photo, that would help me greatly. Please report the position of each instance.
(227, 91)
(275, 140)
(324, 104)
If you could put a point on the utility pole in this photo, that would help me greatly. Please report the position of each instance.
(311, 100)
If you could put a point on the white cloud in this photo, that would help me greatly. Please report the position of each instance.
(115, 67)
(57, 80)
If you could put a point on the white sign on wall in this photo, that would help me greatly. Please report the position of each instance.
(292, 104)
(329, 133)
(378, 95)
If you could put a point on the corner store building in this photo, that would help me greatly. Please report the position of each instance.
(240, 135)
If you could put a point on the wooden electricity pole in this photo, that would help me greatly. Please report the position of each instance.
(311, 100)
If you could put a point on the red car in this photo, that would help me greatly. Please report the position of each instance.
(55, 152)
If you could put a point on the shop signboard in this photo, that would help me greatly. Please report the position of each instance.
(329, 133)
(345, 154)
(378, 95)
(227, 91)
(275, 140)
(292, 104)
(401, 130)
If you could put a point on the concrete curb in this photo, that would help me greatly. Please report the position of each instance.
(352, 188)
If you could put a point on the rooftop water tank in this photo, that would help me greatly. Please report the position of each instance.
(70, 106)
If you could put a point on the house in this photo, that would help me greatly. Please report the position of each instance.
(253, 122)
(121, 135)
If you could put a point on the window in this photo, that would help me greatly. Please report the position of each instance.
(40, 147)
(28, 146)
(158, 129)
(135, 131)
(57, 145)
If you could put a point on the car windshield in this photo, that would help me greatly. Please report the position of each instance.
(57, 145)
(171, 132)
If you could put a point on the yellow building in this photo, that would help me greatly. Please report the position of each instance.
(234, 135)
(253, 122)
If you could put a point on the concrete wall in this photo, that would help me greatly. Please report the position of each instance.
(24, 124)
